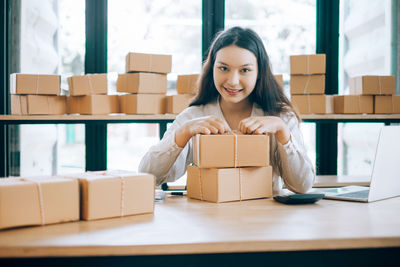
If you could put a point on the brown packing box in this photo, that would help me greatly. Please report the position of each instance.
(279, 79)
(307, 84)
(222, 150)
(38, 105)
(309, 104)
(354, 104)
(90, 84)
(387, 104)
(229, 184)
(187, 84)
(177, 103)
(143, 104)
(138, 62)
(107, 194)
(93, 104)
(307, 64)
(142, 82)
(35, 84)
(22, 203)
(372, 85)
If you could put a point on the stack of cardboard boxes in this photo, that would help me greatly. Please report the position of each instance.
(369, 94)
(230, 167)
(307, 84)
(145, 81)
(187, 88)
(86, 196)
(88, 95)
(36, 94)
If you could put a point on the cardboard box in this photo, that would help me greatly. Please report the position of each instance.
(177, 103)
(143, 104)
(309, 104)
(229, 184)
(307, 64)
(279, 79)
(230, 150)
(387, 104)
(138, 62)
(372, 85)
(93, 104)
(354, 104)
(143, 83)
(90, 84)
(307, 84)
(38, 201)
(35, 84)
(107, 194)
(38, 105)
(187, 84)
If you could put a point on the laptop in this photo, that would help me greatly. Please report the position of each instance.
(385, 179)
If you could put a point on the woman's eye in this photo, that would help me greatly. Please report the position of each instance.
(223, 68)
(245, 70)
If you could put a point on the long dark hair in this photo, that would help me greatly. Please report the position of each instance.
(267, 92)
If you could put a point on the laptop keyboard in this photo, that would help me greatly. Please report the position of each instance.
(358, 194)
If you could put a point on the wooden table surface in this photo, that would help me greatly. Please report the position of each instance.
(185, 226)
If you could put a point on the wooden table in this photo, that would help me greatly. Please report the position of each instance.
(181, 226)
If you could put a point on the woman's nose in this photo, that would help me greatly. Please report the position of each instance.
(233, 78)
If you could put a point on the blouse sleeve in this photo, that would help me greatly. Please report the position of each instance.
(297, 170)
(166, 160)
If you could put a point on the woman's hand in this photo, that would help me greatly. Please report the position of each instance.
(203, 125)
(265, 125)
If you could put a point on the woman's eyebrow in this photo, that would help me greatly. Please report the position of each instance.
(244, 65)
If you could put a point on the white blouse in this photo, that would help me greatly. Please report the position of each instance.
(167, 161)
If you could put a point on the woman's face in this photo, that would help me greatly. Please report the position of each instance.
(235, 73)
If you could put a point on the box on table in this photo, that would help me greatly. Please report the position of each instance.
(93, 104)
(387, 104)
(35, 84)
(38, 105)
(38, 201)
(230, 150)
(139, 62)
(309, 104)
(279, 79)
(354, 104)
(142, 82)
(90, 84)
(107, 194)
(307, 64)
(372, 85)
(187, 84)
(177, 103)
(143, 104)
(229, 184)
(307, 84)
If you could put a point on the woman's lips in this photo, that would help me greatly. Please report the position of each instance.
(231, 91)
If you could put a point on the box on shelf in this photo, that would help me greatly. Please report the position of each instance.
(279, 79)
(107, 194)
(143, 104)
(354, 104)
(309, 104)
(229, 184)
(230, 150)
(307, 64)
(38, 105)
(387, 104)
(177, 103)
(372, 85)
(139, 62)
(307, 84)
(93, 104)
(142, 82)
(90, 84)
(38, 201)
(187, 84)
(35, 84)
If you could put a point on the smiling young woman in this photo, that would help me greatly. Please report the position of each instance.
(237, 91)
